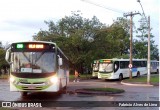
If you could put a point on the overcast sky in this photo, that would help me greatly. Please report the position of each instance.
(21, 19)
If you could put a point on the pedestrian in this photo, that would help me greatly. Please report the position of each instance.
(2, 72)
(76, 75)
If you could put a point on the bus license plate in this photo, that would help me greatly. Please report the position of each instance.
(31, 87)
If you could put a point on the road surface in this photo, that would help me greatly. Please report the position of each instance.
(132, 93)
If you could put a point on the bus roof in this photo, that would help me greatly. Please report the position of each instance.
(125, 59)
(46, 42)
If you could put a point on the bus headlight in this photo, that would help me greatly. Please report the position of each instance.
(12, 79)
(54, 79)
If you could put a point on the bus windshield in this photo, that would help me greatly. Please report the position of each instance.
(106, 67)
(33, 62)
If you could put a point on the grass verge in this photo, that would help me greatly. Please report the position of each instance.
(143, 79)
(84, 76)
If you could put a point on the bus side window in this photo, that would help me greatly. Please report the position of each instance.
(145, 63)
(134, 64)
(116, 66)
(122, 64)
(126, 64)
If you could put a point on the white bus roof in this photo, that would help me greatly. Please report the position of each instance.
(47, 42)
(125, 59)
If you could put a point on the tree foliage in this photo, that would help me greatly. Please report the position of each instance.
(84, 40)
(141, 44)
(74, 35)
(3, 63)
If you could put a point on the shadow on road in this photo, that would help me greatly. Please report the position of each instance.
(40, 96)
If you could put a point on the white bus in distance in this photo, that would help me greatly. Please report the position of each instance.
(154, 66)
(95, 68)
(118, 68)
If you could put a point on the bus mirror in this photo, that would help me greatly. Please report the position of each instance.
(7, 56)
(91, 65)
(60, 61)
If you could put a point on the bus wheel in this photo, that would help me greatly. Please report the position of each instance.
(157, 71)
(60, 86)
(65, 87)
(138, 74)
(23, 94)
(121, 77)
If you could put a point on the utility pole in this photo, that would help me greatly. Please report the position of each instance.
(149, 59)
(149, 54)
(131, 14)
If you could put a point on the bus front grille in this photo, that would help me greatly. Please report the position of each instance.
(32, 88)
(41, 83)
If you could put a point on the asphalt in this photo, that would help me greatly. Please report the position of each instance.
(82, 91)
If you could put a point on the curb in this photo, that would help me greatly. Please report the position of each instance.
(131, 84)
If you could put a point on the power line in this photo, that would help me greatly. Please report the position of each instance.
(102, 6)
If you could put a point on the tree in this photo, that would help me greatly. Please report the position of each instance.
(3, 63)
(141, 44)
(1, 45)
(74, 35)
(84, 40)
(113, 41)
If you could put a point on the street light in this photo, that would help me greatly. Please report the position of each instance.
(142, 9)
(149, 59)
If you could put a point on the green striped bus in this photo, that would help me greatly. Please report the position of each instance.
(37, 66)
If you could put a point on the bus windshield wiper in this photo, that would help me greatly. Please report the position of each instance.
(39, 56)
(26, 57)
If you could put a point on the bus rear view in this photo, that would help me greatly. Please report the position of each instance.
(35, 66)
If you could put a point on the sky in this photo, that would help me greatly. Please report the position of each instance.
(21, 19)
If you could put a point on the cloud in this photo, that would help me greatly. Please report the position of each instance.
(24, 24)
(23, 18)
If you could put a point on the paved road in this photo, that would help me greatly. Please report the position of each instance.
(132, 93)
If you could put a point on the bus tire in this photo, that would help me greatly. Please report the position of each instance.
(157, 71)
(121, 77)
(65, 87)
(60, 85)
(23, 94)
(138, 74)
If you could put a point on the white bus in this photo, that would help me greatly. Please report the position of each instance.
(118, 68)
(95, 68)
(154, 66)
(37, 66)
